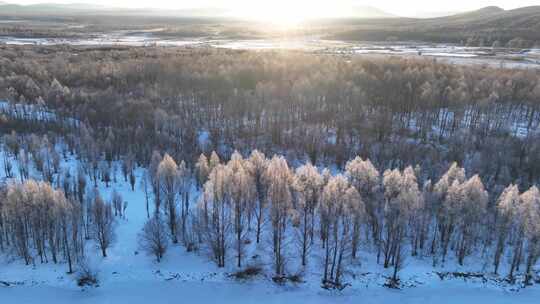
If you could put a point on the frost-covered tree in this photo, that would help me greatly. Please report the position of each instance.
(448, 195)
(214, 161)
(508, 211)
(169, 179)
(216, 214)
(102, 223)
(449, 217)
(242, 191)
(366, 179)
(153, 177)
(471, 209)
(202, 170)
(38, 221)
(454, 173)
(68, 222)
(339, 206)
(363, 176)
(421, 219)
(258, 164)
(184, 180)
(279, 179)
(307, 183)
(531, 221)
(402, 200)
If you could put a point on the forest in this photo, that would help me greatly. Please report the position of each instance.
(322, 108)
(394, 214)
(318, 155)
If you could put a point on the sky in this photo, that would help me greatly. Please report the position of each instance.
(313, 7)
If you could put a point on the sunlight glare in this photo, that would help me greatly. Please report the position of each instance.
(281, 13)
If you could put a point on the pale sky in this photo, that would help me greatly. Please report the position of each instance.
(397, 7)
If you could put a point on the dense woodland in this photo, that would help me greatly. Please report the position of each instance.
(308, 216)
(398, 157)
(325, 109)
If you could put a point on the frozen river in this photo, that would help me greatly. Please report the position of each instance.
(501, 57)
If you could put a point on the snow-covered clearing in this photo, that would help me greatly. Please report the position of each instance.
(130, 276)
(225, 292)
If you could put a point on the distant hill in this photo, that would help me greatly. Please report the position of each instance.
(433, 14)
(479, 27)
(484, 27)
(357, 11)
(75, 9)
(72, 6)
(472, 16)
(483, 12)
(46, 8)
(346, 9)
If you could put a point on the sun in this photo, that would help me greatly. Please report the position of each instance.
(281, 13)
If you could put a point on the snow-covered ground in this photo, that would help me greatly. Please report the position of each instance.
(136, 292)
(128, 275)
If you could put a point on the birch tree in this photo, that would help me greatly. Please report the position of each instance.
(168, 178)
(308, 183)
(279, 178)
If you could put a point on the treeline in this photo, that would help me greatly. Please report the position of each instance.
(311, 216)
(327, 109)
(49, 210)
(307, 215)
(495, 38)
(36, 216)
(38, 223)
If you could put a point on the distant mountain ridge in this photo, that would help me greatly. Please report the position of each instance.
(482, 27)
(490, 10)
(10, 8)
(77, 6)
(487, 26)
(348, 10)
(434, 14)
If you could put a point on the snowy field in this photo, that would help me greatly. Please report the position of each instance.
(130, 276)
